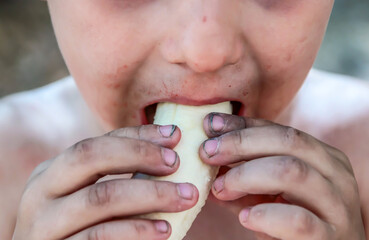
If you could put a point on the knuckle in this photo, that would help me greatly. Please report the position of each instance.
(101, 194)
(345, 162)
(240, 138)
(351, 183)
(337, 153)
(350, 190)
(292, 169)
(160, 190)
(141, 149)
(164, 198)
(139, 132)
(83, 150)
(343, 156)
(236, 174)
(98, 233)
(303, 223)
(249, 122)
(140, 229)
(291, 137)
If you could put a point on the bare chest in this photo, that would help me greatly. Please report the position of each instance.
(217, 223)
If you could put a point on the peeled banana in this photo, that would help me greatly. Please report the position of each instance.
(190, 121)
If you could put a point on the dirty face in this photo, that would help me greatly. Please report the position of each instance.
(126, 55)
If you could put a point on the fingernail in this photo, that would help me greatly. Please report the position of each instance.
(211, 147)
(185, 190)
(162, 226)
(216, 122)
(169, 156)
(244, 214)
(167, 130)
(218, 184)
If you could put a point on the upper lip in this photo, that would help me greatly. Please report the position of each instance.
(185, 101)
(191, 102)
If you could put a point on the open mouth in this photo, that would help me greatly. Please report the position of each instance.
(151, 110)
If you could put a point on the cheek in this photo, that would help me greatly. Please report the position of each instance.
(285, 47)
(106, 46)
(286, 36)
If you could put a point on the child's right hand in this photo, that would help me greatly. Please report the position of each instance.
(63, 200)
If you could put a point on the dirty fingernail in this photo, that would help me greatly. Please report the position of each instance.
(185, 191)
(162, 226)
(169, 156)
(211, 147)
(216, 122)
(244, 214)
(218, 184)
(167, 130)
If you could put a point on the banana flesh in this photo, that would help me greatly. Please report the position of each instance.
(190, 120)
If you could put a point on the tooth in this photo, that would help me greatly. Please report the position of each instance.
(190, 120)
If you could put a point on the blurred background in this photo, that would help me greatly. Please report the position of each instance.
(29, 56)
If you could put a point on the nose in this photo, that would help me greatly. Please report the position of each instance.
(209, 39)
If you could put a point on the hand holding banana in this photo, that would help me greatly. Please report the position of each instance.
(285, 184)
(63, 200)
(190, 120)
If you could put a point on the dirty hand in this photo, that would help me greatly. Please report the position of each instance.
(63, 198)
(310, 185)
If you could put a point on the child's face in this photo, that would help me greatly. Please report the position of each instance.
(128, 54)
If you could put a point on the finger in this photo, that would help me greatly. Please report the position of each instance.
(216, 124)
(287, 222)
(119, 198)
(89, 160)
(283, 175)
(165, 135)
(131, 229)
(257, 142)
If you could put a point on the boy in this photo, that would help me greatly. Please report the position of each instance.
(126, 56)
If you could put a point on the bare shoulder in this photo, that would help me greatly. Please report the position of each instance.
(333, 108)
(40, 122)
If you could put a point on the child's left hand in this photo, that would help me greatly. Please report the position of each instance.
(315, 179)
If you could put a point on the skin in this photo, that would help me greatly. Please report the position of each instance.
(255, 52)
(129, 55)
